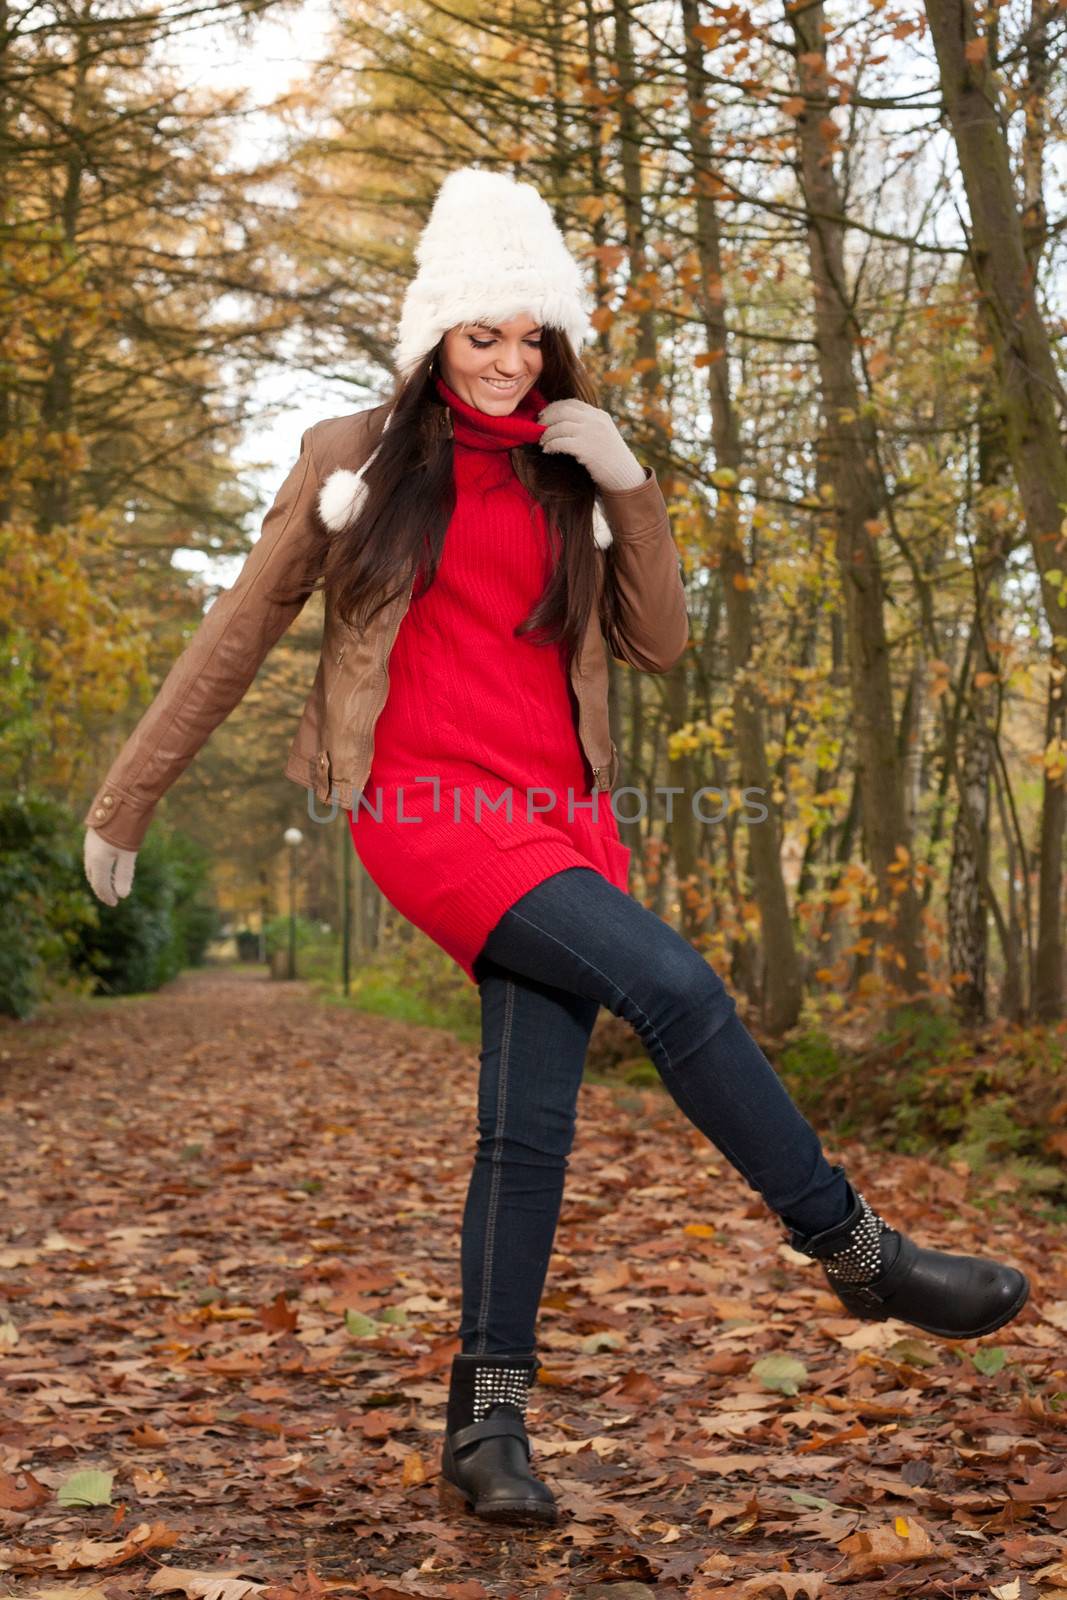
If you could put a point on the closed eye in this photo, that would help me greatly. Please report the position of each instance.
(483, 344)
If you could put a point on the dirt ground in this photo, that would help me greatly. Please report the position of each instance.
(229, 1276)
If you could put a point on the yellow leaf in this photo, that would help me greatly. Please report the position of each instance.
(699, 1230)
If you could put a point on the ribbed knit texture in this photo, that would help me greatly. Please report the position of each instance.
(484, 712)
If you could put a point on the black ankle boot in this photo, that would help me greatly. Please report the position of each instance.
(878, 1273)
(486, 1453)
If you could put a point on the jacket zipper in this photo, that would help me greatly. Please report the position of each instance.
(396, 630)
(598, 770)
(598, 781)
(385, 670)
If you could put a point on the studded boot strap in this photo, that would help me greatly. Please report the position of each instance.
(860, 1262)
(495, 1385)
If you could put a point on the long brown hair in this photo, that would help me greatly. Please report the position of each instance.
(410, 497)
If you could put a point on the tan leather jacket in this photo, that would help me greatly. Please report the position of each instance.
(332, 750)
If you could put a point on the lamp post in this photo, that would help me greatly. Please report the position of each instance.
(293, 837)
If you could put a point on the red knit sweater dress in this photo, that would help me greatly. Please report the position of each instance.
(492, 718)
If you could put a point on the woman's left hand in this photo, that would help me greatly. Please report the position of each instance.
(589, 434)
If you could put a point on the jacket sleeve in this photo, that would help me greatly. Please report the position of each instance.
(216, 667)
(652, 627)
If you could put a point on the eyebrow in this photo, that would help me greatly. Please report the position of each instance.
(488, 329)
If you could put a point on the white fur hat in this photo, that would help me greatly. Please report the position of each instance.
(490, 250)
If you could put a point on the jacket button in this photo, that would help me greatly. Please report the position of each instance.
(109, 800)
(99, 812)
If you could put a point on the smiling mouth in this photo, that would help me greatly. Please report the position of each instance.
(502, 388)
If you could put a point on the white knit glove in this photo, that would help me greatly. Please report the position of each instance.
(590, 435)
(101, 859)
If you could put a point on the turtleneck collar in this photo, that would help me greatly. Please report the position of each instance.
(482, 430)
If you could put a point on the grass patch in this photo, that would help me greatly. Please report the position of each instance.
(410, 979)
(925, 1085)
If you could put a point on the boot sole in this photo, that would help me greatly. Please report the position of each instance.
(529, 1512)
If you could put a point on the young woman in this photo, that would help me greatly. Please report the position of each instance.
(479, 539)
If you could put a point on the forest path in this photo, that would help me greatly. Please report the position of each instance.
(202, 1182)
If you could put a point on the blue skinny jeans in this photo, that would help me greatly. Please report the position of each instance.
(568, 946)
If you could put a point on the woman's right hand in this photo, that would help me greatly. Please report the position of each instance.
(101, 859)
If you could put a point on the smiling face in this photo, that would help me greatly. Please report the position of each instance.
(492, 367)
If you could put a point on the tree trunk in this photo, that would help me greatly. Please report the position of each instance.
(781, 990)
(852, 467)
(641, 300)
(1031, 400)
(969, 889)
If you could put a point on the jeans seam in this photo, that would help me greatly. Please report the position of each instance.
(497, 1163)
(545, 934)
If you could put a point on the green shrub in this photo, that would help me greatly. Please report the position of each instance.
(45, 906)
(196, 914)
(922, 1036)
(58, 936)
(810, 1061)
(992, 1138)
(927, 1085)
(641, 1074)
(162, 926)
(276, 933)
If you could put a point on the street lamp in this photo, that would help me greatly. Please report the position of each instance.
(292, 837)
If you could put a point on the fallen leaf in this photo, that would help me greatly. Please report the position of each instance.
(279, 1316)
(228, 1585)
(782, 1372)
(89, 1488)
(21, 1491)
(905, 1540)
